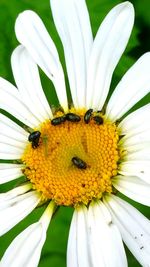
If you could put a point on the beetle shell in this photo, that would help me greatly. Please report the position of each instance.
(99, 120)
(58, 120)
(34, 138)
(72, 117)
(79, 163)
(88, 115)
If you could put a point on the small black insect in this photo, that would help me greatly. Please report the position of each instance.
(72, 117)
(98, 120)
(79, 163)
(88, 115)
(58, 120)
(34, 138)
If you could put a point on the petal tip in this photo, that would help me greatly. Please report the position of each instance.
(128, 6)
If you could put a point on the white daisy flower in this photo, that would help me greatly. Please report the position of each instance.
(80, 155)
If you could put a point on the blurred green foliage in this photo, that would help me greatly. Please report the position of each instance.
(54, 252)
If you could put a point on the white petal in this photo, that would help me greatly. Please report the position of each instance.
(72, 256)
(134, 85)
(16, 209)
(142, 154)
(78, 247)
(136, 168)
(9, 172)
(10, 141)
(133, 187)
(28, 82)
(134, 139)
(31, 32)
(13, 139)
(25, 250)
(73, 25)
(4, 197)
(109, 44)
(9, 151)
(11, 129)
(134, 228)
(136, 122)
(24, 247)
(104, 238)
(136, 147)
(11, 101)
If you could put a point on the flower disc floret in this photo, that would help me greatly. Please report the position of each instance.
(52, 170)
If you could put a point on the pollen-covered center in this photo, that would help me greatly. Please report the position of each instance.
(73, 161)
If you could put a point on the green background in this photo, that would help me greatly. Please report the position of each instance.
(54, 252)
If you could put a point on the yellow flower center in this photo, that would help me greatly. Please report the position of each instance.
(74, 161)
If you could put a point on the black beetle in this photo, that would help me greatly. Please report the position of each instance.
(58, 120)
(99, 120)
(72, 117)
(34, 138)
(88, 115)
(79, 163)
